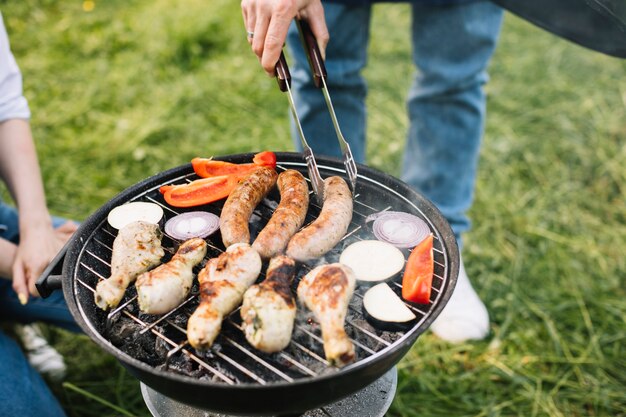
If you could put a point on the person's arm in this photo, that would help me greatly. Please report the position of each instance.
(269, 21)
(19, 168)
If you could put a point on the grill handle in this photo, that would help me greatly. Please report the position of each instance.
(51, 278)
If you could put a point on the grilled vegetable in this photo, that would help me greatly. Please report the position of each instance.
(219, 178)
(403, 230)
(372, 260)
(385, 310)
(418, 274)
(266, 159)
(192, 224)
(199, 192)
(207, 167)
(127, 213)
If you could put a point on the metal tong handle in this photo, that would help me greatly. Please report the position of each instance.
(318, 69)
(283, 77)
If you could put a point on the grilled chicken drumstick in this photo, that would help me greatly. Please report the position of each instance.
(269, 309)
(326, 291)
(223, 280)
(136, 249)
(167, 285)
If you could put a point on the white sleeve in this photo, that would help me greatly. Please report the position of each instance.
(13, 104)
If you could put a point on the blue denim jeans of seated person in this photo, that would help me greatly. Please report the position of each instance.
(452, 46)
(22, 390)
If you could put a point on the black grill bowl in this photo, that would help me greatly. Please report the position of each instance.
(86, 258)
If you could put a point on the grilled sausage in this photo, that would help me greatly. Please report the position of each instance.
(327, 291)
(288, 216)
(241, 203)
(269, 309)
(223, 280)
(327, 230)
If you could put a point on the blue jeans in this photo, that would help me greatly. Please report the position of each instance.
(452, 46)
(22, 390)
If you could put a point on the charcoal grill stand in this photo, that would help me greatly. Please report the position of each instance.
(372, 401)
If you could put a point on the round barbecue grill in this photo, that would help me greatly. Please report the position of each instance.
(233, 377)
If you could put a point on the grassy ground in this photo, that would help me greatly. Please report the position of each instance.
(133, 88)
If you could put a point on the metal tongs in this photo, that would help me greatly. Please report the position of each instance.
(319, 78)
(283, 76)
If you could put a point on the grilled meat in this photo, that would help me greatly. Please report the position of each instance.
(223, 280)
(331, 225)
(241, 203)
(136, 249)
(269, 308)
(288, 216)
(326, 291)
(167, 285)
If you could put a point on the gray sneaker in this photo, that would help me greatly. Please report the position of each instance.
(43, 357)
(465, 317)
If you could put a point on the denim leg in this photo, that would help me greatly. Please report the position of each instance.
(22, 390)
(452, 46)
(346, 56)
(9, 223)
(52, 310)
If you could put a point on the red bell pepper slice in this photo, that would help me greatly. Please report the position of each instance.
(418, 273)
(266, 159)
(199, 192)
(206, 167)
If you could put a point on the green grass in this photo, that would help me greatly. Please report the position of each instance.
(134, 88)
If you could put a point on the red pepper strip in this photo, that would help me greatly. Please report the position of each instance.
(207, 168)
(418, 274)
(199, 192)
(266, 159)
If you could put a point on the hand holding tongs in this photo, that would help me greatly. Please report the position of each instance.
(284, 83)
(319, 78)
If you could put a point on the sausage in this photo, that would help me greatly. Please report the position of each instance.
(331, 225)
(241, 203)
(288, 216)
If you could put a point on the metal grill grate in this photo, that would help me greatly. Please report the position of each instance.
(232, 360)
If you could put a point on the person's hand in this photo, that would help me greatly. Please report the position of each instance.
(267, 22)
(34, 253)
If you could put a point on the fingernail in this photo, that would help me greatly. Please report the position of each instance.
(23, 298)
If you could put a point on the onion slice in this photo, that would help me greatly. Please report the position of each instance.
(403, 230)
(372, 260)
(134, 211)
(192, 224)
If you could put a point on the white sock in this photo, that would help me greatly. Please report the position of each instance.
(465, 317)
(43, 357)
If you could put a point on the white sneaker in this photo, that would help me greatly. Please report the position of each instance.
(43, 357)
(465, 317)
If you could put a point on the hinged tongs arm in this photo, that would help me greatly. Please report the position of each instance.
(318, 69)
(283, 77)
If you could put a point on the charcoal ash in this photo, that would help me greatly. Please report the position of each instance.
(127, 336)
